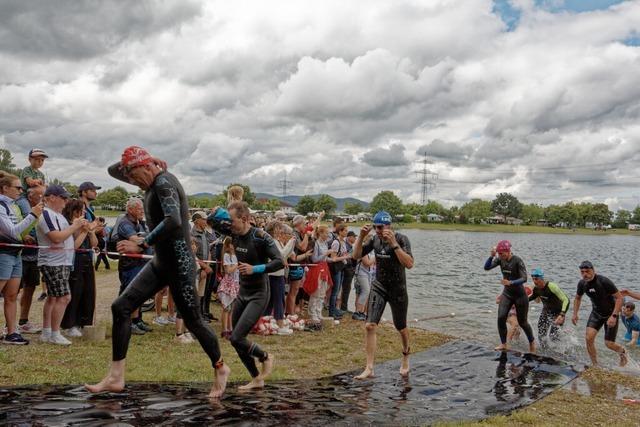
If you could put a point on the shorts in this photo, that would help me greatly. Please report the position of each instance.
(10, 266)
(57, 279)
(597, 321)
(30, 274)
(296, 273)
(398, 300)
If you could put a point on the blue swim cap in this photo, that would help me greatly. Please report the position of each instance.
(220, 221)
(537, 272)
(382, 218)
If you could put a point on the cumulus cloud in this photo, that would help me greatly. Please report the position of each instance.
(545, 106)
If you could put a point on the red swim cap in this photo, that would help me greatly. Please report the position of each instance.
(135, 156)
(503, 246)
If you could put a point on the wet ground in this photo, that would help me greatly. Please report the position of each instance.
(456, 381)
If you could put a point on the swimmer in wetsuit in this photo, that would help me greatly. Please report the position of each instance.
(514, 276)
(257, 255)
(555, 304)
(393, 256)
(167, 213)
(606, 304)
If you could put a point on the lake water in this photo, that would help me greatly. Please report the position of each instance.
(448, 277)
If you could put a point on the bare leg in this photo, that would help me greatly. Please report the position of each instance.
(158, 302)
(611, 345)
(113, 382)
(290, 303)
(26, 300)
(46, 312)
(10, 303)
(57, 311)
(404, 365)
(171, 307)
(267, 367)
(220, 381)
(370, 348)
(590, 338)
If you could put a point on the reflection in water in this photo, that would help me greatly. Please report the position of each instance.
(456, 381)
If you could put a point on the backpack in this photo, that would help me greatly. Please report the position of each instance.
(113, 238)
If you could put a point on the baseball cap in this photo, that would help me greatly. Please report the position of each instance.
(351, 233)
(586, 265)
(87, 185)
(382, 218)
(280, 215)
(57, 190)
(198, 215)
(36, 152)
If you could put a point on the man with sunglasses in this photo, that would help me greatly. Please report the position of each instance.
(606, 302)
(393, 257)
(167, 213)
(555, 304)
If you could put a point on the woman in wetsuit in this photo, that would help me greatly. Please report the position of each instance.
(514, 276)
(166, 210)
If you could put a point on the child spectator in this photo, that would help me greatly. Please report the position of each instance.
(31, 176)
(631, 321)
(229, 285)
(318, 280)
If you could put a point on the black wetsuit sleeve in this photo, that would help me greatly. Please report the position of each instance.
(491, 263)
(115, 171)
(403, 241)
(534, 294)
(522, 270)
(275, 258)
(170, 203)
(580, 290)
(367, 247)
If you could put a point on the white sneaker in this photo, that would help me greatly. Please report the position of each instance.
(284, 331)
(59, 340)
(171, 319)
(45, 337)
(184, 339)
(74, 332)
(159, 320)
(29, 328)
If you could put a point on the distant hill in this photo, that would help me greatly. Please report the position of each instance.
(293, 200)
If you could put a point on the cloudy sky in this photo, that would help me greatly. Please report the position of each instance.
(537, 98)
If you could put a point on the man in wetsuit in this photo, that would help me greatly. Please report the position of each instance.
(257, 255)
(555, 304)
(167, 214)
(606, 303)
(393, 256)
(514, 276)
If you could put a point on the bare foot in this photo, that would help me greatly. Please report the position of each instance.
(255, 383)
(404, 366)
(109, 383)
(532, 347)
(220, 383)
(267, 367)
(501, 347)
(367, 373)
(623, 359)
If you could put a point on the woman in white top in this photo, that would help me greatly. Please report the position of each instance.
(10, 260)
(283, 237)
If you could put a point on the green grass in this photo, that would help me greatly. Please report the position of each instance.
(105, 213)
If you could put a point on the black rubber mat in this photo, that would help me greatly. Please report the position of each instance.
(456, 381)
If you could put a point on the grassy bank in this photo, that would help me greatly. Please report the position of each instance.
(502, 228)
(156, 357)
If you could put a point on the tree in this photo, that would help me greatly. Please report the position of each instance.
(200, 202)
(475, 211)
(413, 209)
(325, 203)
(506, 204)
(115, 198)
(636, 215)
(248, 196)
(599, 214)
(433, 207)
(305, 205)
(623, 218)
(71, 188)
(353, 208)
(531, 213)
(268, 205)
(386, 201)
(6, 162)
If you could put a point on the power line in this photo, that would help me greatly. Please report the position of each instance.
(283, 184)
(427, 179)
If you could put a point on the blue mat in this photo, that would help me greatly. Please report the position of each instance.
(456, 381)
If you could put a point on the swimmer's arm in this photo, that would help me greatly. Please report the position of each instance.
(561, 296)
(576, 306)
(116, 172)
(273, 253)
(523, 275)
(490, 263)
(170, 204)
(403, 252)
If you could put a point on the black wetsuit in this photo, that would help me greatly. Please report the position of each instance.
(600, 290)
(256, 248)
(514, 294)
(166, 210)
(390, 284)
(554, 303)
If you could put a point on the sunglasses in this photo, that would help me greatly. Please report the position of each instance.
(536, 277)
(379, 227)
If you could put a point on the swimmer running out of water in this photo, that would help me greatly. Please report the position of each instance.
(167, 213)
(514, 276)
